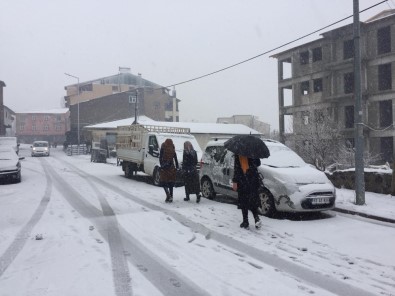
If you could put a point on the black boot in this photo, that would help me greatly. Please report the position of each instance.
(245, 223)
(167, 194)
(198, 198)
(187, 198)
(171, 194)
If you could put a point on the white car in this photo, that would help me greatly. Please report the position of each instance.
(10, 167)
(289, 184)
(40, 148)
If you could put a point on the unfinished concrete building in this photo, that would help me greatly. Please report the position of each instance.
(319, 76)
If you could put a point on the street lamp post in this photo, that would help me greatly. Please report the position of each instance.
(134, 99)
(78, 109)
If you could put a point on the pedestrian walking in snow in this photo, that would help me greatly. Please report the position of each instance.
(169, 164)
(190, 173)
(246, 182)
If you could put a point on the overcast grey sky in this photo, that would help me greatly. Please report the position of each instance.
(166, 41)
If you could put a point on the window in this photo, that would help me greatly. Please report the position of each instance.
(304, 58)
(385, 77)
(317, 54)
(349, 83)
(115, 88)
(169, 105)
(46, 127)
(317, 85)
(383, 40)
(58, 127)
(385, 113)
(46, 117)
(22, 127)
(348, 49)
(58, 118)
(304, 87)
(349, 116)
(156, 105)
(34, 117)
(387, 148)
(34, 128)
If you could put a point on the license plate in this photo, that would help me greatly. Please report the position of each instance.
(320, 201)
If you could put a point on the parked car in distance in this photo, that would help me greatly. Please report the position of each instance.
(10, 166)
(289, 184)
(40, 148)
(10, 141)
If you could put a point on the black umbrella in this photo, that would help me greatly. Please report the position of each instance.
(247, 145)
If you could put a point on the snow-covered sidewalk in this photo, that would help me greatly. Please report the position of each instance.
(379, 205)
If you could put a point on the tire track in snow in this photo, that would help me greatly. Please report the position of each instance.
(310, 276)
(108, 229)
(152, 267)
(121, 275)
(23, 235)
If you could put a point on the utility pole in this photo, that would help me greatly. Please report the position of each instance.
(358, 120)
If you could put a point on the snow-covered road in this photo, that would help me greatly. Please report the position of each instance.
(104, 234)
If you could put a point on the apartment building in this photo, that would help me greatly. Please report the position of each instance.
(47, 125)
(117, 97)
(317, 79)
(2, 123)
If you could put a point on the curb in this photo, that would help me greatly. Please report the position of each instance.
(369, 216)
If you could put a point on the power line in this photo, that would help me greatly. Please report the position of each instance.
(271, 50)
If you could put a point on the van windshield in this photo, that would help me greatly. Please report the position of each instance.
(40, 144)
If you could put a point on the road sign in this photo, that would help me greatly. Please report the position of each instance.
(132, 98)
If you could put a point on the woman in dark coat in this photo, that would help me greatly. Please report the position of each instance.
(168, 163)
(191, 176)
(246, 181)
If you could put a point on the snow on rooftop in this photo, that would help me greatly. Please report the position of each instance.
(195, 127)
(48, 111)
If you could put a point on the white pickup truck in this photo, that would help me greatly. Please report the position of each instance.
(138, 147)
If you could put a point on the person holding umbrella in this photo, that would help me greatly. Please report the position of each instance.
(248, 150)
(246, 182)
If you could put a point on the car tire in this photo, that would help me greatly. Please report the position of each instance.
(18, 178)
(156, 177)
(128, 171)
(267, 207)
(207, 189)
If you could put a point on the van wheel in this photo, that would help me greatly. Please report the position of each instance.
(128, 171)
(207, 189)
(268, 207)
(156, 177)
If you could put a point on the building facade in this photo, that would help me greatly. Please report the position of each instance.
(9, 122)
(117, 97)
(48, 125)
(317, 79)
(2, 123)
(247, 120)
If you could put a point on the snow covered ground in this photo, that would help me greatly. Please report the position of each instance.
(103, 234)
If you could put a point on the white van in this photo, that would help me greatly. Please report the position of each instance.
(289, 184)
(138, 147)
